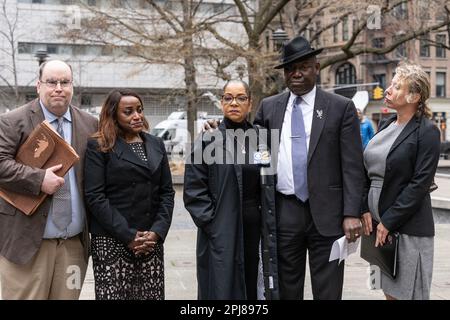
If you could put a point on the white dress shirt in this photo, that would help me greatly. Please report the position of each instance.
(285, 182)
(78, 211)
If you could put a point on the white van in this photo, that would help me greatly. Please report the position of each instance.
(174, 131)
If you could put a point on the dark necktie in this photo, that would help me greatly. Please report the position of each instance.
(62, 206)
(299, 151)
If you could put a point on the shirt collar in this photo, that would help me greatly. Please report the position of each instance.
(308, 98)
(51, 117)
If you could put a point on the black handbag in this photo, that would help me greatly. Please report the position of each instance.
(386, 256)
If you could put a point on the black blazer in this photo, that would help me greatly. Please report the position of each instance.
(405, 203)
(125, 194)
(335, 161)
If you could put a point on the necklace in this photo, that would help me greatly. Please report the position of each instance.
(240, 144)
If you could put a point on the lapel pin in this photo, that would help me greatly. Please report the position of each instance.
(319, 113)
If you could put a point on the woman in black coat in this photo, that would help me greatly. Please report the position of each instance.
(128, 190)
(222, 194)
(401, 161)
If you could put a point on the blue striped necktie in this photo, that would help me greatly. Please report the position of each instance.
(299, 152)
(61, 204)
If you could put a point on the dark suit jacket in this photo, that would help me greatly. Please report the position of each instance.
(335, 165)
(405, 203)
(125, 194)
(21, 235)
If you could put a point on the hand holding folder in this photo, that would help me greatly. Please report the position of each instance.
(44, 148)
(386, 256)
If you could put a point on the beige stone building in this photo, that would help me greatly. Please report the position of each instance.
(339, 23)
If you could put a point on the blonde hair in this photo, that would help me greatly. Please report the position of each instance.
(418, 83)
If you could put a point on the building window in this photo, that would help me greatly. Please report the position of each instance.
(346, 74)
(379, 44)
(440, 84)
(400, 51)
(52, 49)
(335, 33)
(441, 15)
(318, 29)
(345, 29)
(381, 79)
(424, 9)
(79, 50)
(424, 47)
(23, 47)
(440, 50)
(86, 100)
(401, 11)
(355, 25)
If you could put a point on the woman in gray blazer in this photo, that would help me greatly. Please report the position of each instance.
(401, 161)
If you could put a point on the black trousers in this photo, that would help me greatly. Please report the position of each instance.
(297, 234)
(252, 234)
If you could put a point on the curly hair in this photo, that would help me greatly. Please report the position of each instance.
(109, 128)
(418, 83)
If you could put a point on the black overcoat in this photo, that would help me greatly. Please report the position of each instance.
(126, 194)
(213, 196)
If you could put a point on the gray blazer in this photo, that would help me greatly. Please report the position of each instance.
(21, 235)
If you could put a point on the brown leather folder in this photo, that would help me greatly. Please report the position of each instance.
(43, 148)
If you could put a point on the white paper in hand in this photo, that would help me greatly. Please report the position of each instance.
(341, 249)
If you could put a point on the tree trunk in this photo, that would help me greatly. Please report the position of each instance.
(256, 85)
(191, 87)
(255, 78)
(189, 69)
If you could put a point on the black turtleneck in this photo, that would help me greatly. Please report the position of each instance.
(230, 124)
(250, 172)
(251, 216)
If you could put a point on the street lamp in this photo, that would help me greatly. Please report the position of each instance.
(41, 55)
(279, 37)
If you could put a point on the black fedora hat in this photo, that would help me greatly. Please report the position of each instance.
(297, 48)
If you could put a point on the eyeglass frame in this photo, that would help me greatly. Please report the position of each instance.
(235, 98)
(54, 83)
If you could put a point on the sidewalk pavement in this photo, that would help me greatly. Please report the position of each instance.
(180, 273)
(181, 279)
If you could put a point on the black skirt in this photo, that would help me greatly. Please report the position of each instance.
(120, 275)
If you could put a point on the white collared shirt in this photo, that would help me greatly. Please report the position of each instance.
(78, 210)
(285, 182)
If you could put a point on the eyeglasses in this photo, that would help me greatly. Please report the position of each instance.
(228, 99)
(54, 83)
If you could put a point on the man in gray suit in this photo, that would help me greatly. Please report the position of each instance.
(319, 174)
(44, 256)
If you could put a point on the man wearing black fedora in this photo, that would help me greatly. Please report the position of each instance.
(319, 174)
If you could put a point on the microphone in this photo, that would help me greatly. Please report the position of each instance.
(262, 159)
